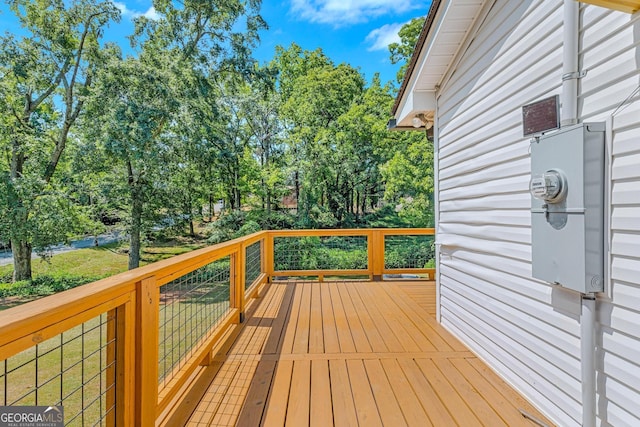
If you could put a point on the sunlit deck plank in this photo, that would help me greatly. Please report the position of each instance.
(506, 409)
(449, 395)
(275, 340)
(344, 411)
(292, 322)
(437, 412)
(355, 325)
(368, 323)
(279, 395)
(342, 326)
(321, 406)
(481, 408)
(299, 394)
(412, 410)
(387, 314)
(329, 331)
(379, 359)
(301, 340)
(387, 333)
(364, 401)
(388, 407)
(316, 339)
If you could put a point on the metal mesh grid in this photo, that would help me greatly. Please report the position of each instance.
(409, 252)
(321, 253)
(253, 264)
(72, 369)
(190, 308)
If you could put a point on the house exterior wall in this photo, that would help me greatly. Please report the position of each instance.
(528, 330)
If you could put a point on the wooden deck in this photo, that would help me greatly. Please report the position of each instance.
(349, 353)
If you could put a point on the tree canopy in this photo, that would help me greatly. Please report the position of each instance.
(94, 139)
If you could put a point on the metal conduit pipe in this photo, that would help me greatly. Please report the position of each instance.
(570, 72)
(569, 116)
(587, 356)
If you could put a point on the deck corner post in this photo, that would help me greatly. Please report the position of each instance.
(146, 351)
(268, 255)
(237, 280)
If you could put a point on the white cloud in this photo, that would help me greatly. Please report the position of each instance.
(343, 12)
(151, 13)
(381, 38)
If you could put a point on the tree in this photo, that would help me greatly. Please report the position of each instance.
(135, 100)
(401, 52)
(182, 54)
(45, 78)
(409, 180)
(259, 106)
(362, 135)
(323, 97)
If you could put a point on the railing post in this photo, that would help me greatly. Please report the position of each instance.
(146, 352)
(378, 254)
(238, 261)
(268, 255)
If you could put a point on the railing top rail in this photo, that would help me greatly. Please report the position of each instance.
(351, 232)
(35, 315)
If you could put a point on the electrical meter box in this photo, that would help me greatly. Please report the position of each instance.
(567, 207)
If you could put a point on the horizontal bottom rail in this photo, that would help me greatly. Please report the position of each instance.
(321, 273)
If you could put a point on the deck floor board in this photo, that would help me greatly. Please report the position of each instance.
(353, 354)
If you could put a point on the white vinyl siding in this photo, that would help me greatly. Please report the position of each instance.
(526, 329)
(611, 56)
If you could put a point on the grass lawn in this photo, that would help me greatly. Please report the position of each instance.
(74, 268)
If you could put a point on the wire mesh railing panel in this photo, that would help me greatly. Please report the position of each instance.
(190, 308)
(320, 253)
(253, 263)
(409, 251)
(72, 370)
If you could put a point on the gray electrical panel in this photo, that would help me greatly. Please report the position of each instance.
(567, 207)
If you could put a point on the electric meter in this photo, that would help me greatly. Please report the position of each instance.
(567, 233)
(551, 186)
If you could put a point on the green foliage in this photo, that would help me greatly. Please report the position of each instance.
(42, 286)
(230, 226)
(274, 220)
(409, 252)
(409, 181)
(312, 252)
(46, 74)
(386, 217)
(150, 142)
(401, 52)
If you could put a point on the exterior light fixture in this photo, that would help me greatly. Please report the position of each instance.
(419, 120)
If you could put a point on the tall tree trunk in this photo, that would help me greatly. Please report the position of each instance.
(211, 207)
(21, 260)
(137, 204)
(136, 228)
(192, 230)
(236, 189)
(266, 164)
(297, 185)
(268, 204)
(20, 247)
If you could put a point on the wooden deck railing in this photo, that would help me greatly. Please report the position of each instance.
(123, 349)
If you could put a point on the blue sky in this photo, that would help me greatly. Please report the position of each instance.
(352, 31)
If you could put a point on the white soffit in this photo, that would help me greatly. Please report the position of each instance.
(453, 21)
